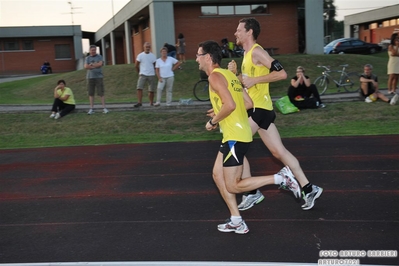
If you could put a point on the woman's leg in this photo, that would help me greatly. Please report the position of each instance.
(169, 89)
(67, 109)
(160, 87)
(58, 105)
(391, 84)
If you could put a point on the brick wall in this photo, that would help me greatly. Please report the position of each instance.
(379, 34)
(278, 29)
(29, 62)
(144, 35)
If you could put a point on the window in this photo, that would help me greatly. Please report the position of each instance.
(27, 45)
(243, 10)
(145, 24)
(343, 44)
(259, 9)
(226, 10)
(62, 51)
(209, 10)
(11, 46)
(357, 43)
(136, 29)
(234, 10)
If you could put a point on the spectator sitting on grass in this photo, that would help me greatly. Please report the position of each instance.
(64, 102)
(369, 87)
(302, 93)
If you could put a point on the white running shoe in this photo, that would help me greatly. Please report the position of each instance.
(241, 228)
(311, 197)
(57, 116)
(248, 201)
(105, 111)
(90, 112)
(289, 181)
(52, 115)
(394, 99)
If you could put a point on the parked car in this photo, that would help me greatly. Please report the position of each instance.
(351, 46)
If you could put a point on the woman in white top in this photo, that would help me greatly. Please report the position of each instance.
(393, 63)
(164, 67)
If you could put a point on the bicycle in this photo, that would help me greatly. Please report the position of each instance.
(349, 81)
(201, 88)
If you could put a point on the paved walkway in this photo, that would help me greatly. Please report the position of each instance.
(37, 108)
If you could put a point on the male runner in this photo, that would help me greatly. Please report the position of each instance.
(258, 70)
(230, 102)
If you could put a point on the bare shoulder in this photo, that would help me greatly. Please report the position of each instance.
(261, 57)
(217, 81)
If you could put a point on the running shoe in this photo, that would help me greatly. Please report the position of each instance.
(241, 228)
(394, 99)
(52, 115)
(105, 111)
(90, 112)
(311, 197)
(57, 116)
(248, 201)
(289, 181)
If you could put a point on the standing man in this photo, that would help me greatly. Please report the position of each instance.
(94, 63)
(145, 66)
(230, 102)
(258, 70)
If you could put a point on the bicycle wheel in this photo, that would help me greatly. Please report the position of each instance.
(201, 90)
(351, 82)
(322, 84)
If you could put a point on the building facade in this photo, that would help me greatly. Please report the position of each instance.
(23, 50)
(373, 26)
(160, 21)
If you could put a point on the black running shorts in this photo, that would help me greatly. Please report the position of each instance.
(262, 117)
(233, 152)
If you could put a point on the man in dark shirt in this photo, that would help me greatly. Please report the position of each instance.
(369, 87)
(171, 50)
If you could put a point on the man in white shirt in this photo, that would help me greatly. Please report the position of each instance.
(145, 66)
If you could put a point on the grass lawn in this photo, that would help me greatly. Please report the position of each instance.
(37, 130)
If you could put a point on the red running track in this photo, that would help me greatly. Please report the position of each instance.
(158, 202)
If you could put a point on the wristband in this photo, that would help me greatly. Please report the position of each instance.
(212, 124)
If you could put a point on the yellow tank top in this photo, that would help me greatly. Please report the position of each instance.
(67, 91)
(235, 126)
(260, 92)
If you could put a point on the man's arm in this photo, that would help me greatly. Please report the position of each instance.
(137, 66)
(93, 65)
(247, 100)
(365, 80)
(261, 57)
(86, 65)
(219, 85)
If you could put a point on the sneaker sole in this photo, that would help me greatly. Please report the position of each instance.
(253, 204)
(315, 198)
(237, 232)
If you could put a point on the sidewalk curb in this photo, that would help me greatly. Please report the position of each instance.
(124, 107)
